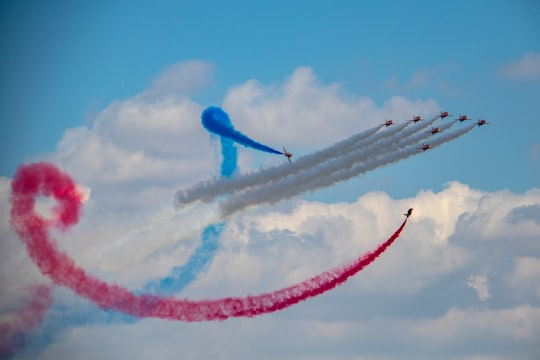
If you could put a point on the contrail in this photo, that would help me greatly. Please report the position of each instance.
(224, 128)
(45, 179)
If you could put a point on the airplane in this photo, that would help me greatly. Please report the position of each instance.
(425, 147)
(287, 154)
(463, 118)
(387, 123)
(435, 130)
(408, 213)
(481, 122)
(415, 118)
(444, 114)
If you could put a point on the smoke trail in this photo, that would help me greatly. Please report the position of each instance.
(279, 185)
(209, 189)
(59, 317)
(14, 334)
(217, 121)
(181, 276)
(327, 174)
(45, 179)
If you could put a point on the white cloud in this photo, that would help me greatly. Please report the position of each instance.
(435, 78)
(140, 150)
(525, 276)
(284, 113)
(522, 322)
(527, 67)
(480, 284)
(183, 78)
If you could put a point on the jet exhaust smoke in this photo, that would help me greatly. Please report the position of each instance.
(45, 179)
(224, 128)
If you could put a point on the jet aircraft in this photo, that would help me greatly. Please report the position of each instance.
(287, 154)
(481, 122)
(416, 118)
(425, 147)
(435, 130)
(387, 123)
(462, 118)
(409, 212)
(444, 114)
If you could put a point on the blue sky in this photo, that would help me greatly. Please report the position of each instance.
(63, 62)
(112, 91)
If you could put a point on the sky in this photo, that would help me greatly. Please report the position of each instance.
(112, 93)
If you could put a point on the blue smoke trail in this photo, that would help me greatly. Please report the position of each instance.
(59, 317)
(215, 120)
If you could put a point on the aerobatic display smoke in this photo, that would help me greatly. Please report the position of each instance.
(224, 128)
(59, 318)
(229, 193)
(45, 179)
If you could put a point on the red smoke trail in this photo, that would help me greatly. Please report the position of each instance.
(13, 333)
(41, 178)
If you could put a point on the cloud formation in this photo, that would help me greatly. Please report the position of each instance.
(460, 283)
(418, 293)
(525, 68)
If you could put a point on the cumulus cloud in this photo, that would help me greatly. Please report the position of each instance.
(525, 276)
(140, 150)
(527, 67)
(185, 78)
(281, 112)
(480, 284)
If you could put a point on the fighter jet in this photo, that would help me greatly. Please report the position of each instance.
(481, 122)
(434, 130)
(287, 154)
(408, 213)
(462, 118)
(387, 123)
(444, 114)
(415, 119)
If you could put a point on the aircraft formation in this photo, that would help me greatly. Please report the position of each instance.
(415, 119)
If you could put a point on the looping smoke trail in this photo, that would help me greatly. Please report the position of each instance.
(224, 128)
(45, 179)
(59, 317)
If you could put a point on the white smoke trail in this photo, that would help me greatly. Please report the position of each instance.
(171, 225)
(208, 190)
(348, 168)
(166, 228)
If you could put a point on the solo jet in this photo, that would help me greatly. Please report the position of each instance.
(408, 213)
(287, 154)
(444, 114)
(481, 122)
(462, 118)
(415, 119)
(387, 123)
(435, 130)
(425, 147)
